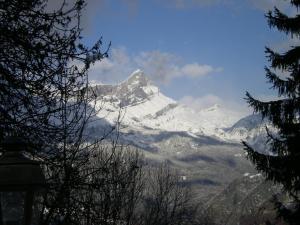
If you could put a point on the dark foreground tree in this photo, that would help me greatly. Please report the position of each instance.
(166, 199)
(44, 96)
(282, 166)
(39, 51)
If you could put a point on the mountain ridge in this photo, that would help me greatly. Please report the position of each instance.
(144, 105)
(204, 147)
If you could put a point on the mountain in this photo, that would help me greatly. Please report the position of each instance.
(253, 130)
(205, 145)
(143, 107)
(135, 90)
(247, 127)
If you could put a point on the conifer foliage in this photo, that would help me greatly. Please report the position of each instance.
(282, 166)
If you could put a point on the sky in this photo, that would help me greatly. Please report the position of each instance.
(199, 52)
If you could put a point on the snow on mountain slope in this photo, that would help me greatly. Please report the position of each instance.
(247, 127)
(204, 145)
(251, 129)
(142, 106)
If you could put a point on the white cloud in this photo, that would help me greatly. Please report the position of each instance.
(196, 70)
(237, 110)
(112, 69)
(200, 103)
(161, 67)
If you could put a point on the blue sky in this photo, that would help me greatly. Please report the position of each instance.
(200, 52)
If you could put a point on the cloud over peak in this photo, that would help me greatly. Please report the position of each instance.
(237, 110)
(197, 70)
(161, 67)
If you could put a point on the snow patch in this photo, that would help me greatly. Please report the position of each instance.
(256, 175)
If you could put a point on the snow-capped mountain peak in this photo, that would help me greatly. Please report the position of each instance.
(136, 89)
(144, 106)
(136, 79)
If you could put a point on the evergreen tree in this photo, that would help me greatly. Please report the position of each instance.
(282, 166)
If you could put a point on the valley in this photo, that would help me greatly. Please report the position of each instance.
(204, 146)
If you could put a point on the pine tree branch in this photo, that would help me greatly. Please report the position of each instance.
(279, 112)
(295, 3)
(286, 61)
(285, 87)
(289, 25)
(279, 169)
